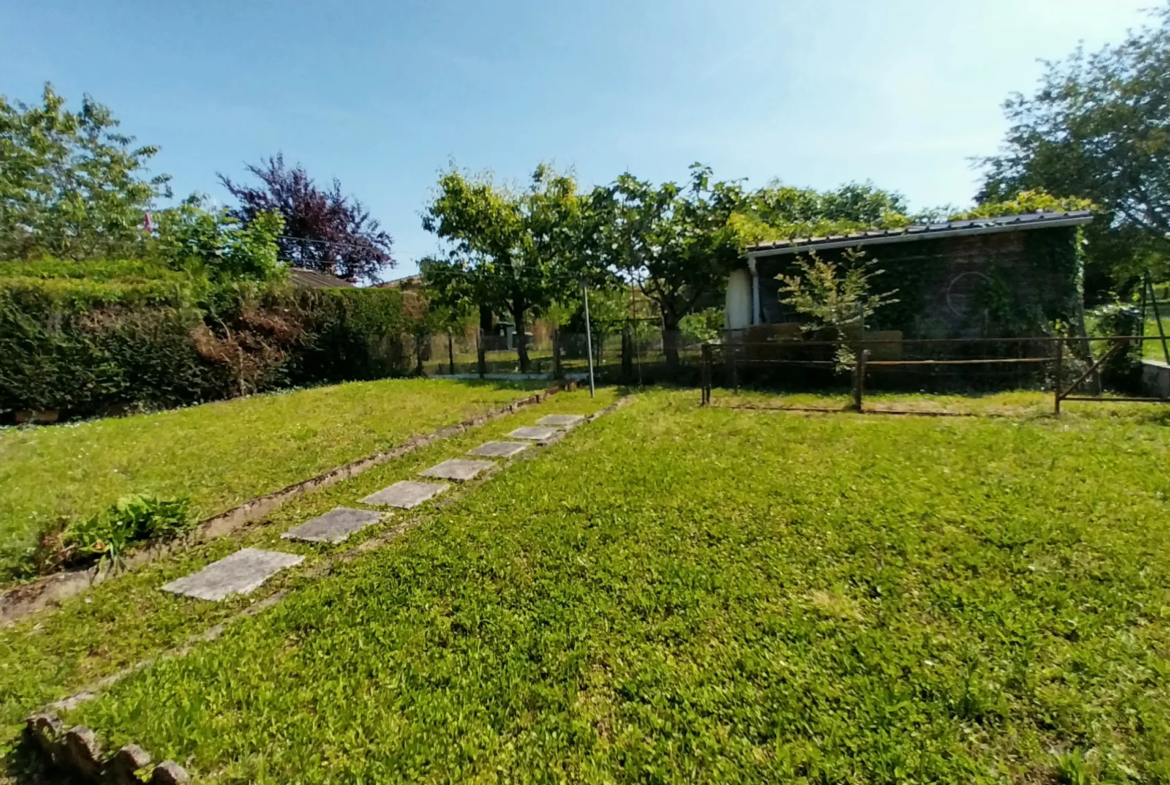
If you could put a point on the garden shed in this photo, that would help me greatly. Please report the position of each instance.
(993, 277)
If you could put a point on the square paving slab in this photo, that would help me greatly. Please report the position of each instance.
(333, 526)
(499, 449)
(534, 434)
(241, 573)
(560, 420)
(458, 469)
(406, 495)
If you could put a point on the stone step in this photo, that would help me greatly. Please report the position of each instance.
(334, 526)
(241, 573)
(459, 469)
(405, 495)
(560, 420)
(499, 449)
(534, 434)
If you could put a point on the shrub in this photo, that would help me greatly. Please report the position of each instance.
(105, 537)
(84, 346)
(1123, 371)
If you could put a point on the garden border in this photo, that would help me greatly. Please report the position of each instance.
(18, 602)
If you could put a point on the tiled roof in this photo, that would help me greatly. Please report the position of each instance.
(316, 279)
(1006, 223)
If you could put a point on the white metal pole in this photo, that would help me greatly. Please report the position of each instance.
(588, 338)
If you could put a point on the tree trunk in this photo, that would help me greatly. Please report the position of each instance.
(521, 338)
(670, 345)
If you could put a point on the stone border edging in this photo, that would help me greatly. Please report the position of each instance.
(54, 589)
(78, 754)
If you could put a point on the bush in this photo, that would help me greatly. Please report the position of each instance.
(84, 347)
(1123, 371)
(106, 536)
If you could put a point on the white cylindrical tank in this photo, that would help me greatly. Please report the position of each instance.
(737, 314)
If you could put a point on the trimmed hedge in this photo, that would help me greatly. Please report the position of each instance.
(84, 347)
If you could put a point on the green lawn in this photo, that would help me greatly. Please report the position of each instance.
(51, 654)
(218, 454)
(676, 594)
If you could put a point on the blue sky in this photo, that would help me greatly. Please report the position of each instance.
(383, 95)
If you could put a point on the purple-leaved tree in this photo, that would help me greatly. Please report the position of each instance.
(323, 228)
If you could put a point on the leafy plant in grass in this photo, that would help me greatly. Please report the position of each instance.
(105, 537)
(835, 297)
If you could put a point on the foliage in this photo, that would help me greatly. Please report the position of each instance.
(71, 185)
(835, 297)
(324, 229)
(887, 600)
(1025, 203)
(125, 271)
(1096, 128)
(84, 347)
(1124, 370)
(218, 246)
(515, 253)
(676, 243)
(705, 325)
(131, 520)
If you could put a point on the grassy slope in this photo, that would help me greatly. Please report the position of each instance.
(677, 594)
(50, 655)
(219, 454)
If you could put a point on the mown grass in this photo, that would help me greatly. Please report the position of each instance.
(52, 654)
(680, 594)
(219, 454)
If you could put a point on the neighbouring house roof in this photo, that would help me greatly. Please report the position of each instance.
(398, 283)
(316, 279)
(1006, 223)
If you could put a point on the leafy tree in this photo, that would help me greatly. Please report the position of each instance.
(71, 186)
(514, 252)
(324, 229)
(1097, 128)
(216, 244)
(835, 297)
(676, 243)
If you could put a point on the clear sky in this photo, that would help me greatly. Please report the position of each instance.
(383, 94)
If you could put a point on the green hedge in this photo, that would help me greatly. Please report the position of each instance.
(84, 346)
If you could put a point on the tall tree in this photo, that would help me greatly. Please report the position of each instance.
(677, 243)
(1098, 127)
(71, 185)
(324, 229)
(514, 252)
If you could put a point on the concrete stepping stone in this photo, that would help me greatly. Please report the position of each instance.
(406, 495)
(499, 449)
(334, 526)
(534, 434)
(241, 573)
(459, 469)
(560, 420)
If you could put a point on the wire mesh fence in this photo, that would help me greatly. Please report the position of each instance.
(622, 356)
(1070, 368)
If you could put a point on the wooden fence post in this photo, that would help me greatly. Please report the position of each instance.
(859, 380)
(450, 353)
(481, 355)
(1059, 385)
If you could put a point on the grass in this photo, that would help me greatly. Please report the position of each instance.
(677, 594)
(50, 655)
(219, 454)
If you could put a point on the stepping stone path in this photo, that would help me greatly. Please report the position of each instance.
(405, 495)
(459, 469)
(241, 573)
(334, 526)
(499, 449)
(560, 420)
(534, 434)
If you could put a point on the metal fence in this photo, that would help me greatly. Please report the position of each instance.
(622, 356)
(1071, 368)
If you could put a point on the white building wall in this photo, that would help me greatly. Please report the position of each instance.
(737, 313)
